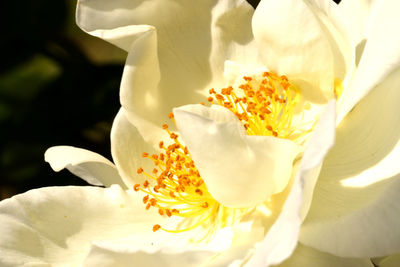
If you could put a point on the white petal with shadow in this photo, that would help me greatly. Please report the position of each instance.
(172, 66)
(305, 40)
(56, 225)
(90, 166)
(354, 212)
(389, 261)
(127, 147)
(226, 157)
(281, 240)
(380, 58)
(358, 18)
(228, 246)
(309, 257)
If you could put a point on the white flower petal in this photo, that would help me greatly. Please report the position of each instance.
(226, 157)
(358, 17)
(305, 40)
(139, 92)
(90, 166)
(123, 257)
(111, 21)
(150, 250)
(178, 22)
(156, 250)
(309, 257)
(172, 67)
(381, 55)
(281, 240)
(123, 37)
(127, 147)
(354, 222)
(246, 234)
(389, 261)
(56, 225)
(356, 197)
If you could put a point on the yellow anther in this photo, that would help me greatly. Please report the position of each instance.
(168, 212)
(145, 199)
(153, 201)
(198, 191)
(175, 187)
(136, 187)
(266, 105)
(161, 144)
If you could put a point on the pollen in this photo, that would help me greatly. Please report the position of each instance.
(156, 227)
(338, 88)
(175, 188)
(265, 104)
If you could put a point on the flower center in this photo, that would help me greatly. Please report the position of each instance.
(266, 104)
(175, 188)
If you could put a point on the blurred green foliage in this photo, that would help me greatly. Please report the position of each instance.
(52, 92)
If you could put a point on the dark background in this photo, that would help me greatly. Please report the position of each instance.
(58, 86)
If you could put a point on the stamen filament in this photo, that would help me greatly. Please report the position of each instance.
(266, 105)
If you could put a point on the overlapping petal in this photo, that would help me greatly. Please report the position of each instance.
(389, 261)
(122, 37)
(92, 167)
(305, 40)
(223, 250)
(226, 157)
(55, 226)
(169, 65)
(71, 226)
(178, 64)
(127, 146)
(354, 211)
(358, 17)
(306, 256)
(281, 239)
(380, 57)
(127, 255)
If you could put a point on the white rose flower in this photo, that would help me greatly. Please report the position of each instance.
(255, 189)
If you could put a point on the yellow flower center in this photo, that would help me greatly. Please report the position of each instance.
(176, 188)
(267, 105)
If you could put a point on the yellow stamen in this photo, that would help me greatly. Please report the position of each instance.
(338, 88)
(175, 188)
(266, 105)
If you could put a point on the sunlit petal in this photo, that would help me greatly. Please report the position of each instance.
(91, 167)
